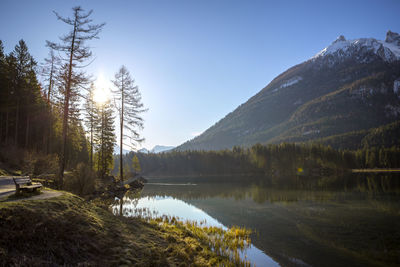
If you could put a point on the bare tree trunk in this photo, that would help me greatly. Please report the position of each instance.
(16, 124)
(7, 119)
(48, 101)
(66, 110)
(91, 146)
(49, 137)
(121, 164)
(45, 143)
(102, 144)
(27, 131)
(121, 202)
(1, 127)
(50, 81)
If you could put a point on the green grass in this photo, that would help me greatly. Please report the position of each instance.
(68, 230)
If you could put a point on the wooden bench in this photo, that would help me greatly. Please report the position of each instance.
(24, 183)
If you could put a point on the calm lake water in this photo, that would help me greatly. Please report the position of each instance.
(357, 225)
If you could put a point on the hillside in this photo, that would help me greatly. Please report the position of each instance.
(383, 136)
(350, 86)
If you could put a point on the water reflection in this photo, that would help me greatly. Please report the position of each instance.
(157, 206)
(357, 225)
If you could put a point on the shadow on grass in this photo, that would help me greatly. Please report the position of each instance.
(22, 195)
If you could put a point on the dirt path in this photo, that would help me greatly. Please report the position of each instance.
(7, 188)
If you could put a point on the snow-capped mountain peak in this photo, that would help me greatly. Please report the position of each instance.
(388, 50)
(393, 37)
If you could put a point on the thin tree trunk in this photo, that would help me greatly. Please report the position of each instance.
(49, 137)
(91, 144)
(121, 164)
(121, 203)
(102, 144)
(27, 131)
(1, 127)
(7, 119)
(121, 171)
(66, 110)
(16, 124)
(48, 101)
(45, 143)
(50, 81)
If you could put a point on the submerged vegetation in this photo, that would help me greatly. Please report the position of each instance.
(226, 243)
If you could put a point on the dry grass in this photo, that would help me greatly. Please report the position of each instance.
(70, 231)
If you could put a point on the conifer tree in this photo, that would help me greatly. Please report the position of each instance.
(22, 67)
(136, 164)
(26, 90)
(105, 139)
(73, 45)
(24, 115)
(10, 73)
(91, 119)
(128, 103)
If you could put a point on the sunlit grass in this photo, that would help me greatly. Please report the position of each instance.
(68, 230)
(230, 243)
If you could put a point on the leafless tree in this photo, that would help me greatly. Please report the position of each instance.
(49, 71)
(128, 103)
(75, 53)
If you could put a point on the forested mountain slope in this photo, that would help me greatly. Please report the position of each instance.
(350, 86)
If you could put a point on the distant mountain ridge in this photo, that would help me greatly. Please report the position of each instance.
(156, 149)
(117, 150)
(349, 86)
(159, 149)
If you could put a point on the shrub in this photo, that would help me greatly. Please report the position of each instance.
(81, 181)
(46, 164)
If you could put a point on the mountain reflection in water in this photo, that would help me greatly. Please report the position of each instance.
(356, 226)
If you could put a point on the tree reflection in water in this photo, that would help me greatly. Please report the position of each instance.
(336, 221)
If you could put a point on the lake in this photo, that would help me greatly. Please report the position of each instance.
(357, 225)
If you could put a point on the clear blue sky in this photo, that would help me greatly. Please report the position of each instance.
(196, 61)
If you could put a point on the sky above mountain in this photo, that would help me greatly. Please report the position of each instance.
(196, 61)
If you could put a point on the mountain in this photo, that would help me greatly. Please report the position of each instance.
(156, 149)
(159, 149)
(349, 86)
(117, 150)
(144, 151)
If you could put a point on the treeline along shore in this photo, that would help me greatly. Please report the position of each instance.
(265, 161)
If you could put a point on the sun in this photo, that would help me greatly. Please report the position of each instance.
(101, 94)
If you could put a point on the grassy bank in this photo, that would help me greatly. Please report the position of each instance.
(67, 230)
